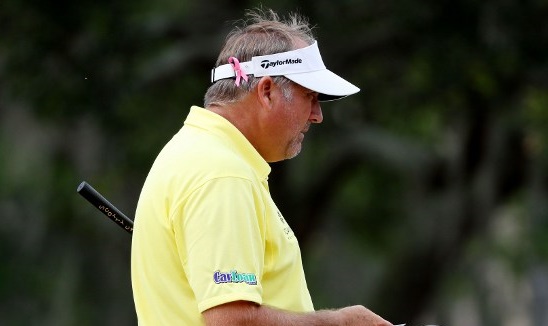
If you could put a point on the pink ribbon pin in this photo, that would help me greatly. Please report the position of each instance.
(240, 74)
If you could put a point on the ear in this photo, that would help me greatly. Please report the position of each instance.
(265, 91)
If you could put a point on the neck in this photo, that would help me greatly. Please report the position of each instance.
(246, 116)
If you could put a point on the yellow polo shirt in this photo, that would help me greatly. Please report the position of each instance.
(207, 231)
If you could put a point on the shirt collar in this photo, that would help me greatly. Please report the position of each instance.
(219, 126)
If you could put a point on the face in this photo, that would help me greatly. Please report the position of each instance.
(292, 119)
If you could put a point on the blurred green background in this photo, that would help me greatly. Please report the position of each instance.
(423, 197)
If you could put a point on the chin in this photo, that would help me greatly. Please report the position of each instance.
(294, 151)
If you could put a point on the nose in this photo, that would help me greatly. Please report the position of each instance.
(316, 115)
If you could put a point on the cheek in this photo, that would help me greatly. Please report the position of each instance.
(292, 119)
(301, 115)
(300, 110)
(296, 121)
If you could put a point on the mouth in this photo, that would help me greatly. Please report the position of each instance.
(303, 133)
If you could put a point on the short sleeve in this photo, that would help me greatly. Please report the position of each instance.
(222, 233)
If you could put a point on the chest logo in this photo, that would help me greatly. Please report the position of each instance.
(287, 230)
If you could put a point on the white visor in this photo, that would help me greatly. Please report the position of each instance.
(303, 66)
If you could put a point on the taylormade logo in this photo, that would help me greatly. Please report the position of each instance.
(267, 63)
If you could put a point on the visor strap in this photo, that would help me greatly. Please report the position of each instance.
(227, 71)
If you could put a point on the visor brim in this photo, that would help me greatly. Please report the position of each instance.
(329, 85)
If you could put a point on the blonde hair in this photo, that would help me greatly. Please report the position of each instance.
(262, 33)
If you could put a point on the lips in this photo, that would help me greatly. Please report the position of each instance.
(305, 130)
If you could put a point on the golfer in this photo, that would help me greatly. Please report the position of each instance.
(209, 245)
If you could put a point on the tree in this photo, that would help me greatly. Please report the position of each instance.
(415, 197)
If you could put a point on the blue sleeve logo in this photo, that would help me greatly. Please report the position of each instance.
(234, 277)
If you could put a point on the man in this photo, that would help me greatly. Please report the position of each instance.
(209, 245)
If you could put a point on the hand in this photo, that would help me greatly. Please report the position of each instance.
(361, 316)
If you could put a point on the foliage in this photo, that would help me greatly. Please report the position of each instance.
(417, 193)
